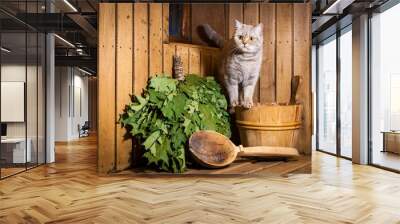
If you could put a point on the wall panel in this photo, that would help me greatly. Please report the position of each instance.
(234, 12)
(106, 83)
(210, 13)
(143, 50)
(284, 54)
(302, 68)
(267, 75)
(155, 38)
(131, 49)
(251, 16)
(123, 79)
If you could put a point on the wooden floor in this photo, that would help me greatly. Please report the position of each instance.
(70, 191)
(386, 159)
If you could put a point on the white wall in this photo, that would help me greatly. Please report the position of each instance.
(33, 126)
(16, 73)
(71, 102)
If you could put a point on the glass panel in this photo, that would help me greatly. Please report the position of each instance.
(31, 100)
(346, 94)
(327, 96)
(385, 84)
(22, 88)
(32, 90)
(41, 98)
(13, 89)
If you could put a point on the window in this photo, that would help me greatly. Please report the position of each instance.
(385, 89)
(346, 92)
(326, 137)
(334, 94)
(22, 77)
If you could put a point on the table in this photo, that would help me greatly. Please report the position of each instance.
(391, 141)
(13, 150)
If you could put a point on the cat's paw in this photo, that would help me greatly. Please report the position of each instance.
(234, 104)
(247, 103)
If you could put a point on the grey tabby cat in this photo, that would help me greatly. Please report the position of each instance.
(242, 57)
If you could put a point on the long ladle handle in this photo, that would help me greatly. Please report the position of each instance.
(267, 151)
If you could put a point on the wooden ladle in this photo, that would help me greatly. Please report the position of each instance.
(214, 150)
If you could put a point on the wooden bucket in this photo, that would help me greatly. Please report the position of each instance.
(269, 125)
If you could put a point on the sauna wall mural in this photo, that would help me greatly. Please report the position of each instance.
(167, 105)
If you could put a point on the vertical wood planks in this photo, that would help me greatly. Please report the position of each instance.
(165, 22)
(194, 61)
(123, 80)
(284, 56)
(155, 38)
(205, 63)
(129, 35)
(165, 37)
(210, 13)
(301, 67)
(267, 75)
(234, 12)
(169, 52)
(251, 16)
(141, 47)
(200, 60)
(106, 93)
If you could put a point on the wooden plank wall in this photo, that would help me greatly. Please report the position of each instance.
(287, 49)
(132, 47)
(196, 59)
(131, 38)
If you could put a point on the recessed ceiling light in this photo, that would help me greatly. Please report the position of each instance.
(337, 7)
(70, 5)
(5, 50)
(84, 71)
(64, 40)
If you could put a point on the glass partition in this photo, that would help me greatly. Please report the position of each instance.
(346, 93)
(326, 105)
(385, 89)
(22, 88)
(13, 94)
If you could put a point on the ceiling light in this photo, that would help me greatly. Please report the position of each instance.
(65, 41)
(337, 7)
(70, 5)
(5, 50)
(84, 71)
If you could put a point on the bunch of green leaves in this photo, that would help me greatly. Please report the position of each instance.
(167, 114)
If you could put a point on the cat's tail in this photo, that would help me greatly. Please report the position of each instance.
(212, 35)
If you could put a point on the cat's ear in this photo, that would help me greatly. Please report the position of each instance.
(238, 24)
(259, 28)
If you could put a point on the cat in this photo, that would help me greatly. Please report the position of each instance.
(241, 62)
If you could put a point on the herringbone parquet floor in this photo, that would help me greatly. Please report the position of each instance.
(70, 191)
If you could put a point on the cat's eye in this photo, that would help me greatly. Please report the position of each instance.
(251, 38)
(240, 37)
